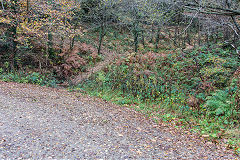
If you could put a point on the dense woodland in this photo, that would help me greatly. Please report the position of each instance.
(174, 60)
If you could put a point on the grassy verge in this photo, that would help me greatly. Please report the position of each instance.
(32, 77)
(212, 129)
(197, 91)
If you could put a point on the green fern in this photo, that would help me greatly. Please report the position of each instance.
(219, 103)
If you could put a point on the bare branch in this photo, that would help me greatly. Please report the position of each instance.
(235, 23)
(228, 12)
(189, 23)
(2, 5)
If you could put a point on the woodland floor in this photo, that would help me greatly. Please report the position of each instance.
(109, 56)
(46, 123)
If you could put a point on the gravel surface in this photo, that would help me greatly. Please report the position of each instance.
(45, 123)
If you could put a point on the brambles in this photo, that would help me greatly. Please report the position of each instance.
(76, 60)
(197, 83)
(71, 63)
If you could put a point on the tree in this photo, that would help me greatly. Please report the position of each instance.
(36, 29)
(220, 13)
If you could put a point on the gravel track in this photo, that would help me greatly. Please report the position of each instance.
(45, 123)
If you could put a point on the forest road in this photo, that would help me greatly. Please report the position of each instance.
(46, 123)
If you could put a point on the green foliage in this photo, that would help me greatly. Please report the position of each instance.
(150, 79)
(33, 77)
(171, 78)
(184, 84)
(219, 104)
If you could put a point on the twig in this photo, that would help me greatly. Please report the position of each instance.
(235, 23)
(233, 29)
(189, 23)
(231, 11)
(2, 5)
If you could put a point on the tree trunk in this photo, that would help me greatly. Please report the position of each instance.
(135, 35)
(13, 63)
(152, 34)
(157, 38)
(50, 45)
(28, 5)
(101, 36)
(72, 42)
(175, 37)
(135, 40)
(199, 34)
(143, 38)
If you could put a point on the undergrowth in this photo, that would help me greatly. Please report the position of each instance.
(198, 90)
(48, 80)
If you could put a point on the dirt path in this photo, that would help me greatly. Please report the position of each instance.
(45, 123)
(108, 58)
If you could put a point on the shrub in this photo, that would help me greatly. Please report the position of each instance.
(219, 104)
(176, 79)
(32, 77)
